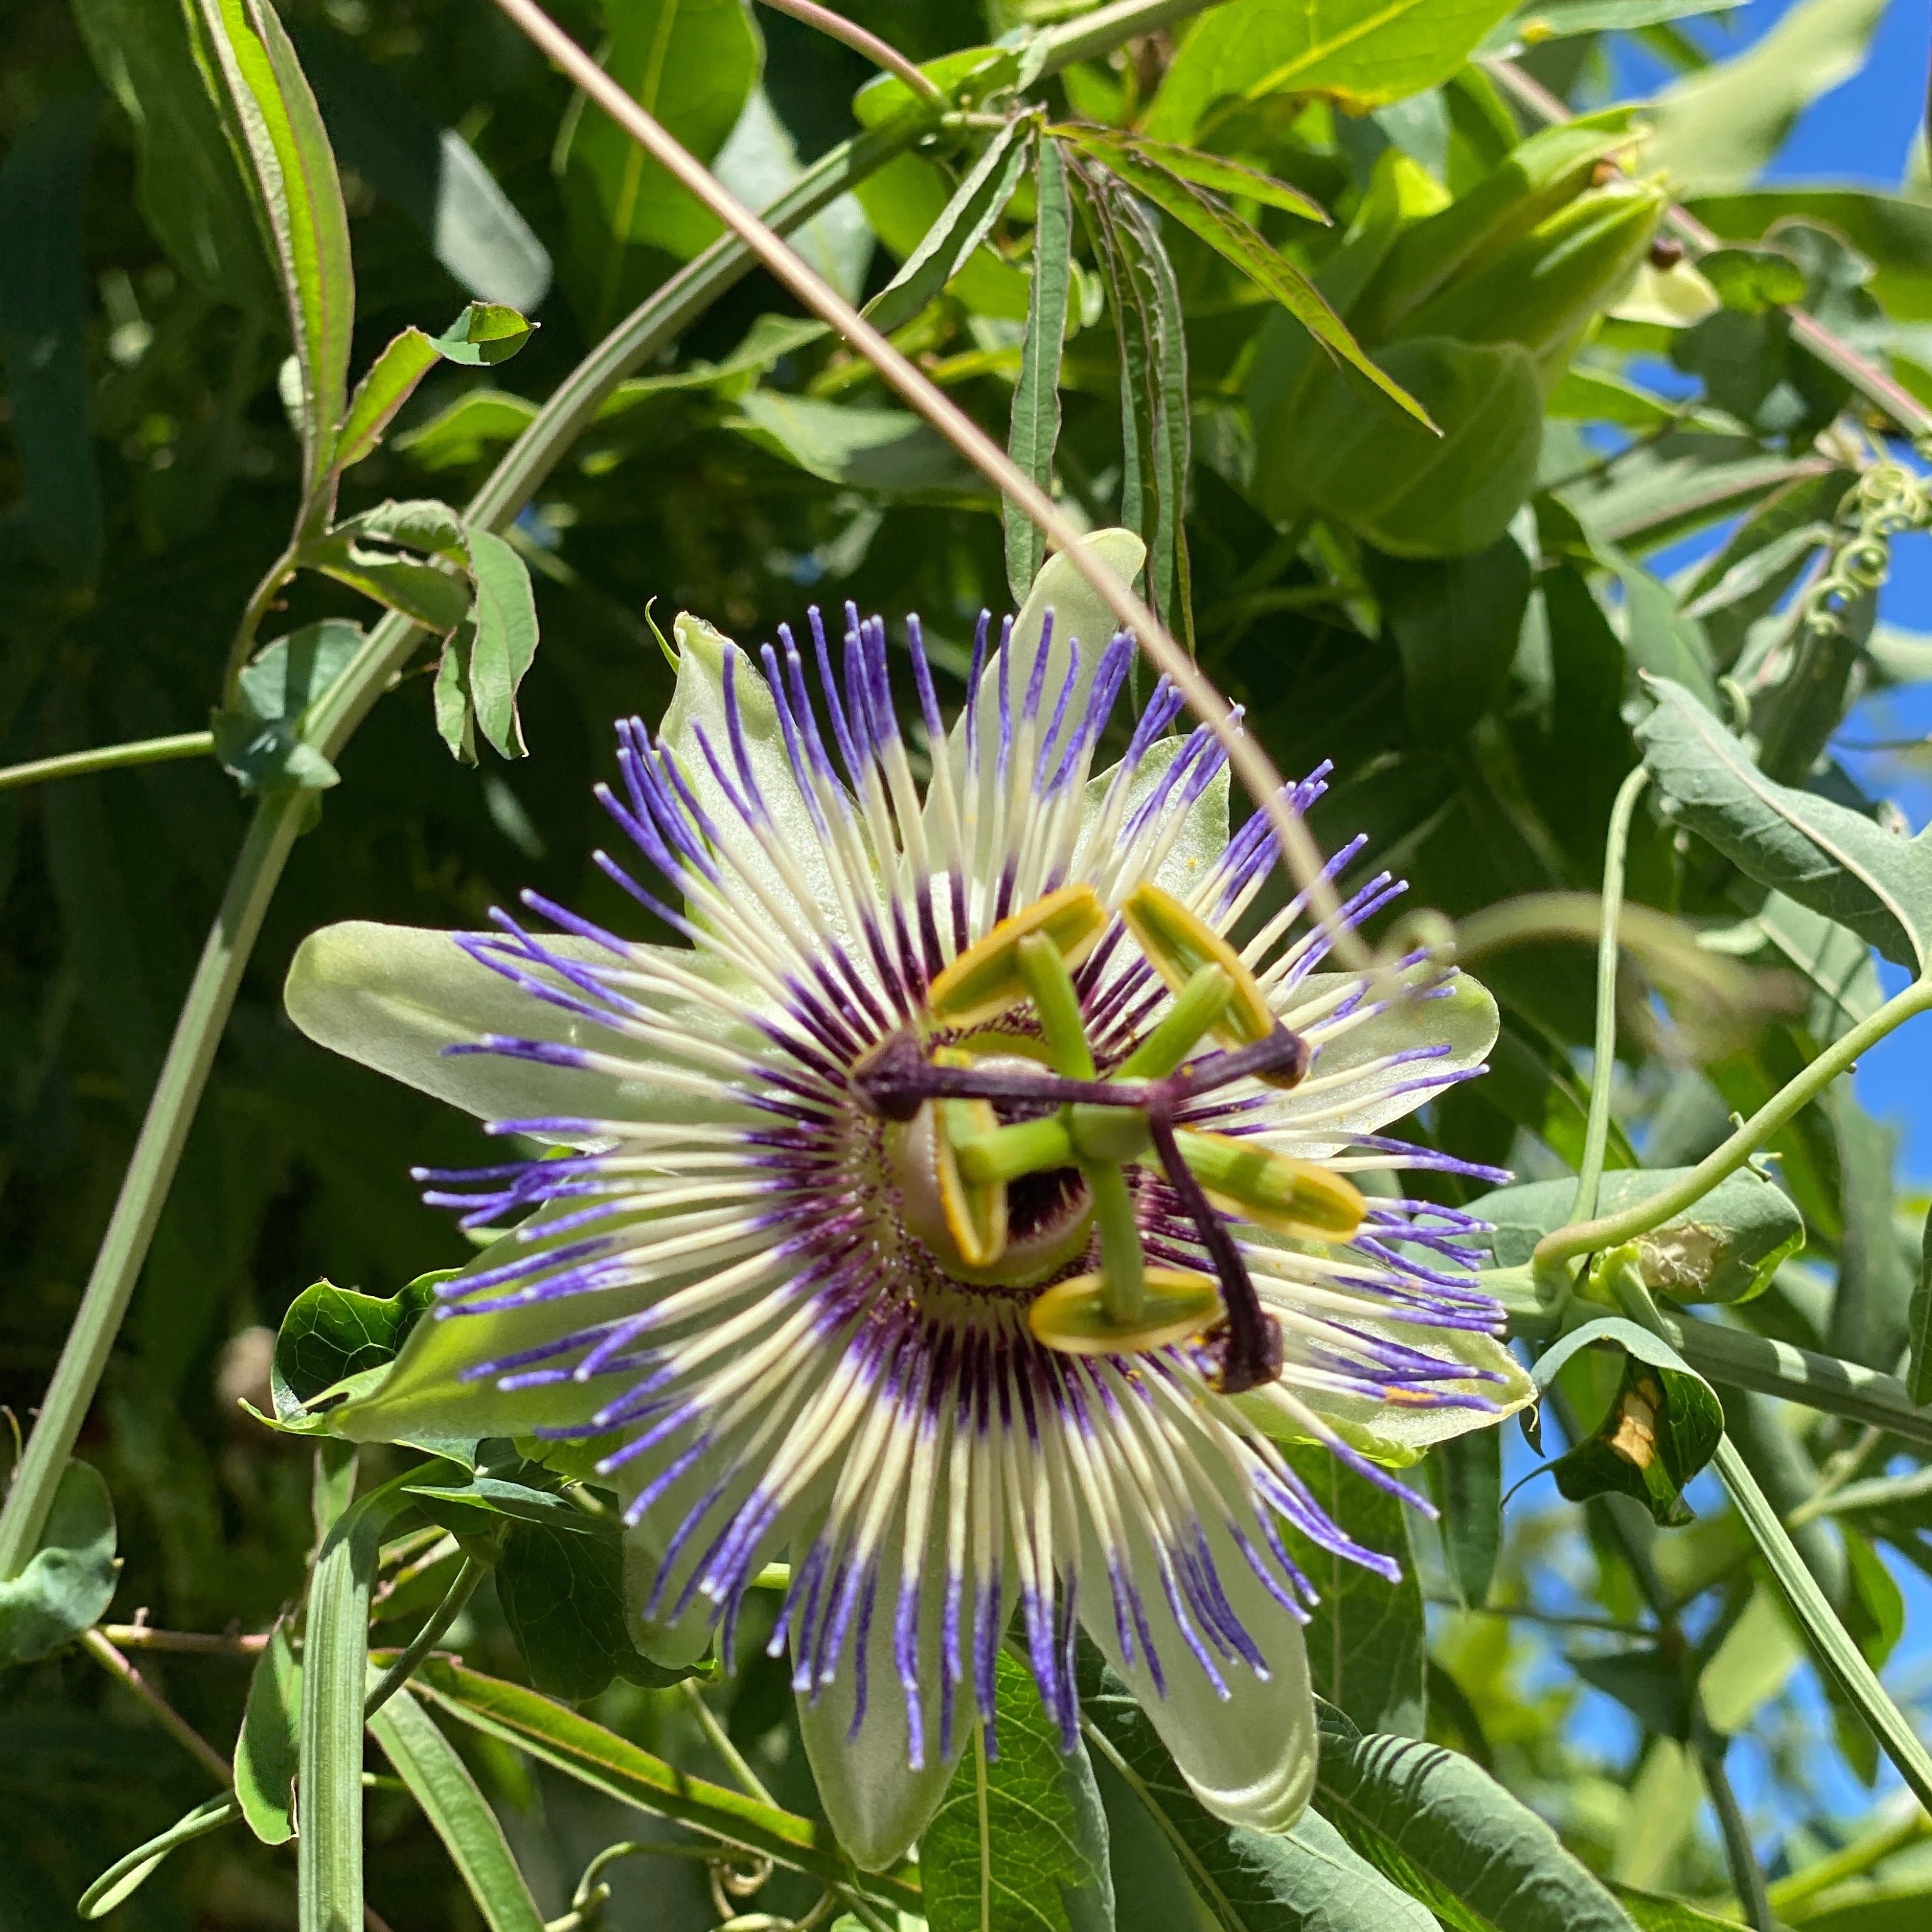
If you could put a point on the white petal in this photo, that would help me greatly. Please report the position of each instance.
(395, 997)
(878, 1804)
(1250, 1758)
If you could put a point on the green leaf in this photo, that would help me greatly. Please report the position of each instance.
(299, 200)
(1210, 171)
(1358, 53)
(126, 1876)
(1251, 252)
(188, 184)
(1035, 427)
(1019, 1842)
(70, 1579)
(431, 174)
(1367, 1644)
(1539, 179)
(1408, 492)
(1448, 1834)
(1307, 1879)
(1590, 395)
(440, 1783)
(562, 1595)
(1455, 624)
(965, 222)
(1752, 280)
(891, 450)
(1725, 1249)
(1718, 128)
(484, 333)
(335, 1657)
(1467, 1473)
(1821, 854)
(462, 433)
(1681, 484)
(599, 1758)
(267, 1751)
(363, 552)
(259, 740)
(506, 640)
(330, 1333)
(690, 63)
(1663, 1425)
(906, 203)
(43, 331)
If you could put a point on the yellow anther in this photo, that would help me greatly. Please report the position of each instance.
(1292, 1197)
(985, 978)
(1072, 1315)
(1178, 943)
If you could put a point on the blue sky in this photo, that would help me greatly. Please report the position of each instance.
(1862, 133)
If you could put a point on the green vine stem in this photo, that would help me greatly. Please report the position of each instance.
(157, 1153)
(1603, 1077)
(1566, 1244)
(656, 322)
(1829, 1638)
(463, 1587)
(109, 758)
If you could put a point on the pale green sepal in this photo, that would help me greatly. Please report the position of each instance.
(1316, 1119)
(1202, 835)
(877, 1804)
(1250, 1758)
(396, 997)
(1079, 612)
(697, 718)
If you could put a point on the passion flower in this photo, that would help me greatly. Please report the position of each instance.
(963, 1212)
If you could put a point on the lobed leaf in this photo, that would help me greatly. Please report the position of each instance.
(1307, 1879)
(1019, 1842)
(1447, 1834)
(259, 738)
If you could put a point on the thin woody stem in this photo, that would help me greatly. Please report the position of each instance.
(838, 28)
(1244, 753)
(171, 1720)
